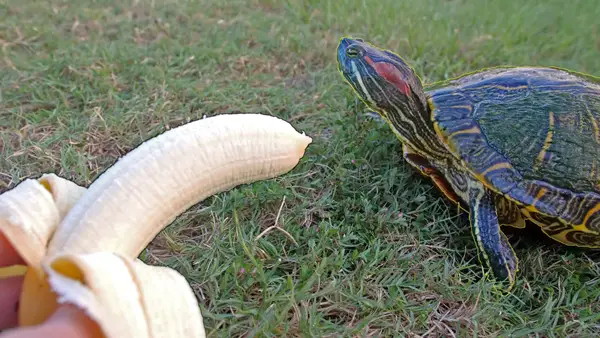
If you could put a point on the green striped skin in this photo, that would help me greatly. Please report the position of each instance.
(508, 213)
(506, 144)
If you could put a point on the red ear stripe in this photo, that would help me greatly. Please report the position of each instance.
(390, 73)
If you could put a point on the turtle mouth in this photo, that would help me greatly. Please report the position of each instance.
(341, 57)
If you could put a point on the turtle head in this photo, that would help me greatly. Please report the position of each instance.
(381, 79)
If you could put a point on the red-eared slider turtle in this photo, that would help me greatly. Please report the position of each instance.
(506, 144)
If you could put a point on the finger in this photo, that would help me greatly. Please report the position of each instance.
(67, 322)
(10, 291)
(8, 255)
(10, 288)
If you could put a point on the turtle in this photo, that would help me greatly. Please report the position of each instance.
(507, 144)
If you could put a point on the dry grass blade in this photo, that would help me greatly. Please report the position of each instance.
(276, 227)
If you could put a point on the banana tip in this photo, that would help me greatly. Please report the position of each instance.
(305, 141)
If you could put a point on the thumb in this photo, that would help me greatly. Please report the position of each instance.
(67, 322)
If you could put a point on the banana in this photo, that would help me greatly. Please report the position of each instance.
(144, 191)
(30, 213)
(89, 231)
(147, 299)
(64, 192)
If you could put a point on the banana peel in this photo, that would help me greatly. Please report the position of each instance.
(80, 244)
(30, 213)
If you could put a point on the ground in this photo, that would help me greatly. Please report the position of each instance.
(363, 245)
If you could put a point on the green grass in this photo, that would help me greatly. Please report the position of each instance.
(379, 252)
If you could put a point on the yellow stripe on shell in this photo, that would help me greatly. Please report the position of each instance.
(497, 166)
(468, 107)
(594, 125)
(547, 141)
(471, 131)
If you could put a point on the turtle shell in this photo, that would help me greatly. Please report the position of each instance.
(530, 134)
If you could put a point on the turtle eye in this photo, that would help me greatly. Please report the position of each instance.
(352, 52)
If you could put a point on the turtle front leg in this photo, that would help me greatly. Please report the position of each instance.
(493, 246)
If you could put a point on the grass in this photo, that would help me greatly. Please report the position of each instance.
(377, 251)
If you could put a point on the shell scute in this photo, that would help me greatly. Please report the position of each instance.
(530, 134)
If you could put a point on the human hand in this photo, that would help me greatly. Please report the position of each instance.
(68, 321)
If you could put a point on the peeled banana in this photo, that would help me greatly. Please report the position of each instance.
(166, 175)
(80, 245)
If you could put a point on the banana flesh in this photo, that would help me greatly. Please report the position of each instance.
(157, 181)
(80, 245)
